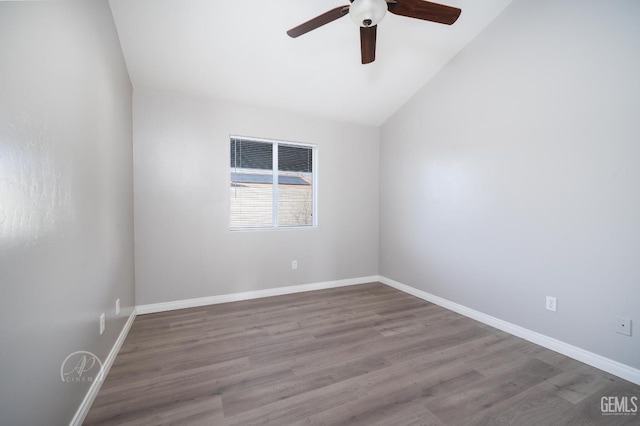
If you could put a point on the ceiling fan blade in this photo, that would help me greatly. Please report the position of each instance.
(368, 43)
(319, 21)
(425, 10)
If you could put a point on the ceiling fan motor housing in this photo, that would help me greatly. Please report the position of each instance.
(367, 13)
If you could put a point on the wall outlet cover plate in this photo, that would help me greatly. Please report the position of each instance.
(623, 325)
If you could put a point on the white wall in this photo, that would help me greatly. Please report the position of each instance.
(515, 174)
(184, 248)
(66, 203)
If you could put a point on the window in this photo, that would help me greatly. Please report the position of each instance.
(272, 184)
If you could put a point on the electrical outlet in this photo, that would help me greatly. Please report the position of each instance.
(294, 264)
(623, 325)
(102, 323)
(552, 304)
(117, 307)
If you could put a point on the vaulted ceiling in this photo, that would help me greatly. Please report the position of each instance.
(238, 50)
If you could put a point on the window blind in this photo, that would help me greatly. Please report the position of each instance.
(272, 184)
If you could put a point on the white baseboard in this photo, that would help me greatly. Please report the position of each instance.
(83, 410)
(234, 297)
(610, 366)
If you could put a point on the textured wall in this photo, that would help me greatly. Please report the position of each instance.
(66, 203)
(514, 174)
(184, 248)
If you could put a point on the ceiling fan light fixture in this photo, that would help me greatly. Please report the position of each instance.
(367, 13)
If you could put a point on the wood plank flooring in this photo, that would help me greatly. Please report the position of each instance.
(359, 355)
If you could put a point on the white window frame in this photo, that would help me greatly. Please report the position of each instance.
(314, 172)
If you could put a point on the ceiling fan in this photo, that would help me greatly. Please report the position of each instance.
(368, 13)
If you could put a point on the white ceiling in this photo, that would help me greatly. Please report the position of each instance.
(239, 50)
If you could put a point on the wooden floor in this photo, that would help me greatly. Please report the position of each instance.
(358, 355)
